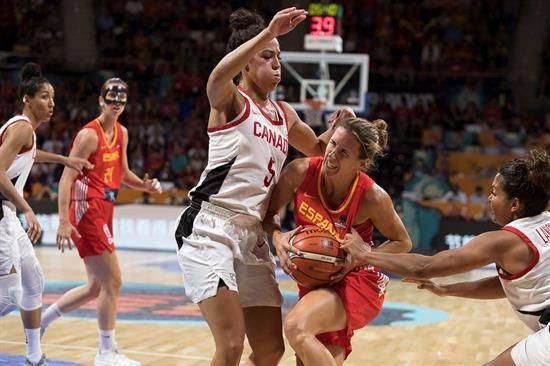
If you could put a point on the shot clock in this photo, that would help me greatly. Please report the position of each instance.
(324, 27)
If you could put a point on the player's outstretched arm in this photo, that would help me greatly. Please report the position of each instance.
(72, 162)
(483, 289)
(484, 249)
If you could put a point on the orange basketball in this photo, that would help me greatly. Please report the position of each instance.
(319, 251)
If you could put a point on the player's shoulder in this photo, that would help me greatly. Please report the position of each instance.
(87, 135)
(21, 125)
(17, 131)
(376, 195)
(122, 127)
(295, 172)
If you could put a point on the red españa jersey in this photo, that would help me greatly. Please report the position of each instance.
(362, 290)
(105, 178)
(311, 209)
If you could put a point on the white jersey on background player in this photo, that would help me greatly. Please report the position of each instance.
(14, 242)
(529, 290)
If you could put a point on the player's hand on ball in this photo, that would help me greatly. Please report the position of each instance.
(281, 242)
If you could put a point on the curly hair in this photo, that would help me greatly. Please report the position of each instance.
(528, 179)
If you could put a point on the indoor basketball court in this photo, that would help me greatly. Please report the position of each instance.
(159, 326)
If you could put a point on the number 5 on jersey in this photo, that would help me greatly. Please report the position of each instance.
(271, 172)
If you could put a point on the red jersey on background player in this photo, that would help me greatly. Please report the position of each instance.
(88, 220)
(332, 193)
(94, 192)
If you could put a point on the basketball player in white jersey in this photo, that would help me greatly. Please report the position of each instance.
(227, 267)
(520, 250)
(21, 277)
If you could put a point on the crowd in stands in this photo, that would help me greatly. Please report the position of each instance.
(432, 35)
(544, 84)
(165, 49)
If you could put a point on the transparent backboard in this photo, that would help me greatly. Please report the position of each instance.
(337, 79)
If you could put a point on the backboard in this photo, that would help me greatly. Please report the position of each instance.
(339, 79)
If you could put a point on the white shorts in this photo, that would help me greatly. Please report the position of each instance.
(14, 241)
(534, 350)
(216, 243)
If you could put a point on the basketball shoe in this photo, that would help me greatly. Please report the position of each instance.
(113, 358)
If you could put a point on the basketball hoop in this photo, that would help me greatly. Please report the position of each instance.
(313, 115)
(315, 103)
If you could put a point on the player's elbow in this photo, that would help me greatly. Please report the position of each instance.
(406, 245)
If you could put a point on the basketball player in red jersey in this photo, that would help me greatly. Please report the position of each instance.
(88, 220)
(334, 194)
(227, 268)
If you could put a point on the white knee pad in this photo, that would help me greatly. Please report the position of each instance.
(32, 281)
(10, 293)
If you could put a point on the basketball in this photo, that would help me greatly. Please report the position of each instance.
(319, 251)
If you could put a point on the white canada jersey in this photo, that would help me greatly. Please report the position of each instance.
(245, 159)
(19, 170)
(529, 290)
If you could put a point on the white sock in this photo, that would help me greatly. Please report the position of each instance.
(51, 314)
(107, 340)
(34, 351)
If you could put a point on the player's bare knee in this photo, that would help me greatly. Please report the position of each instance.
(230, 351)
(113, 284)
(32, 280)
(114, 287)
(93, 289)
(294, 328)
(269, 353)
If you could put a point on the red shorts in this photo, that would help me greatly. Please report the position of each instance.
(362, 294)
(94, 221)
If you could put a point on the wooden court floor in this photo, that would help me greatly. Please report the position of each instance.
(473, 333)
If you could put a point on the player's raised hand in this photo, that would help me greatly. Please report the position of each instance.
(151, 185)
(286, 20)
(340, 115)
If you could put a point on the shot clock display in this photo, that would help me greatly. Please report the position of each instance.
(324, 19)
(324, 27)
